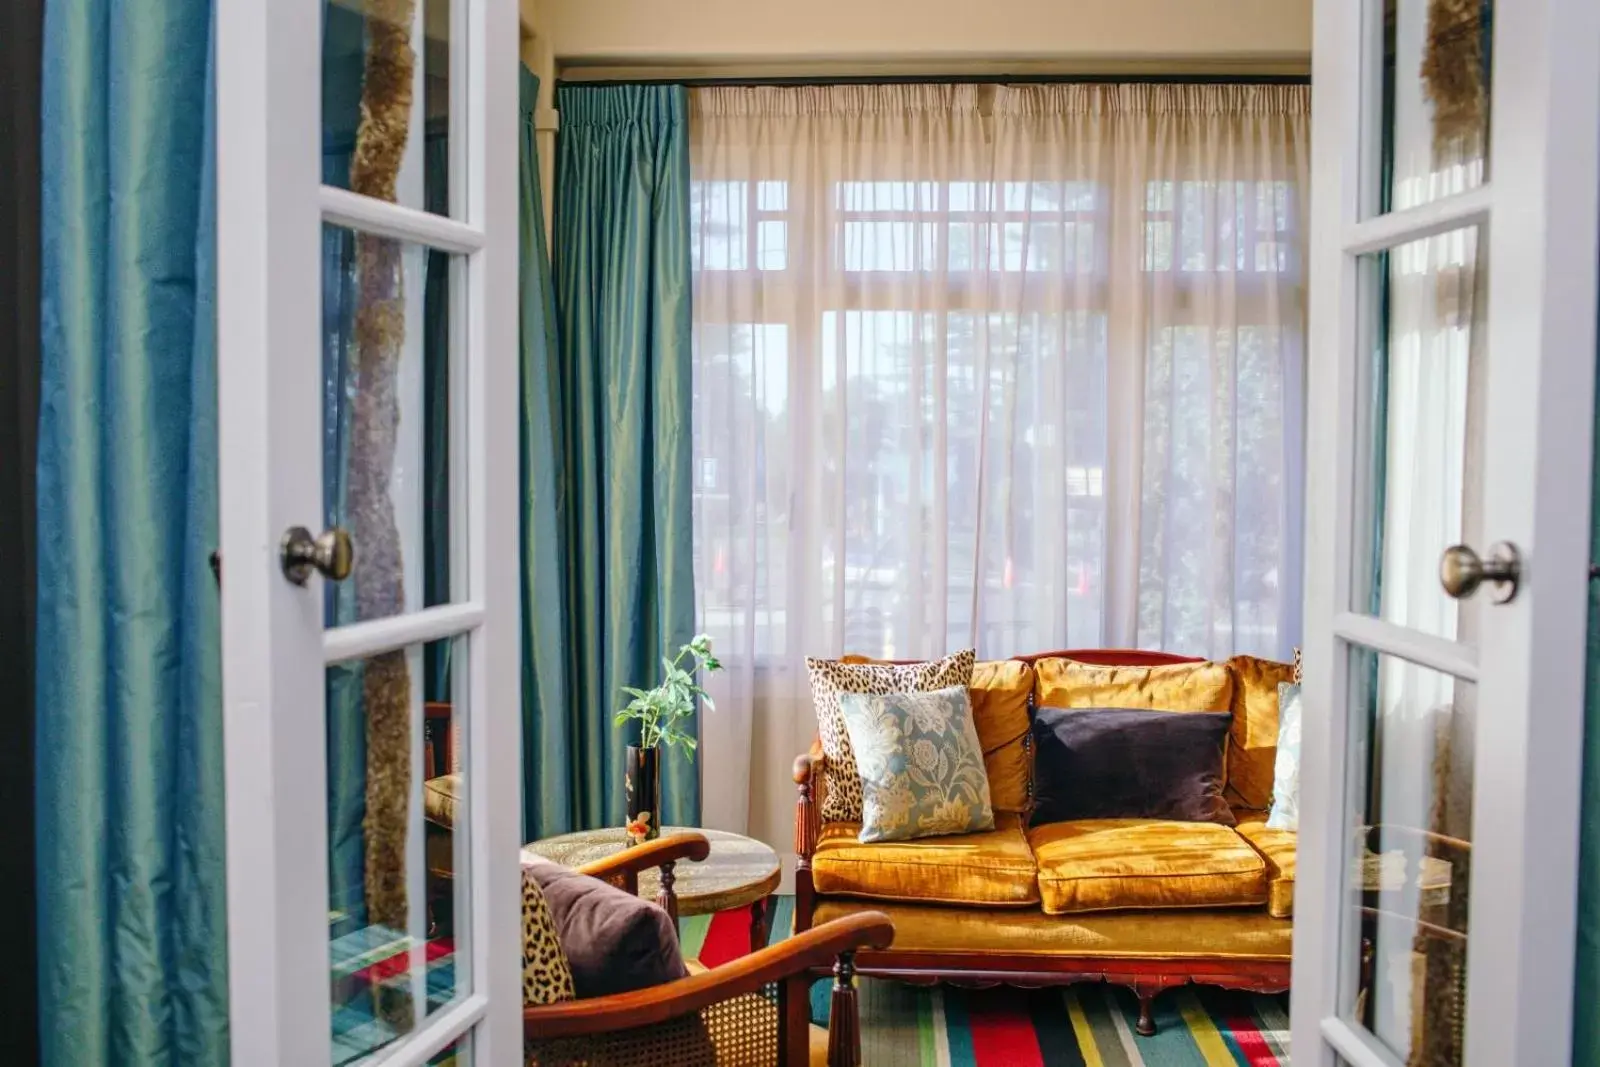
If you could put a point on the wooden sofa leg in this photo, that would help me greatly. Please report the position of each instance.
(844, 1015)
(1146, 1026)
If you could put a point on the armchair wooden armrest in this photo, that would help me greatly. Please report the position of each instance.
(623, 869)
(789, 962)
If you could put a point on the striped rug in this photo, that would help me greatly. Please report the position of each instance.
(1081, 1026)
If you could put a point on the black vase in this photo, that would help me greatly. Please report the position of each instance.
(642, 781)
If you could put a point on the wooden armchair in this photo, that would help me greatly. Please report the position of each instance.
(752, 1012)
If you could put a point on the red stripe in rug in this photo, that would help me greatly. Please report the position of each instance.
(1002, 1029)
(1256, 1051)
(727, 938)
(400, 962)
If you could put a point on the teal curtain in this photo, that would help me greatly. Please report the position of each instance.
(132, 925)
(548, 806)
(607, 452)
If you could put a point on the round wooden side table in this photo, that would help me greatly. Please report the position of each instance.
(739, 871)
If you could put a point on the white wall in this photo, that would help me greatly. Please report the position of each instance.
(1175, 34)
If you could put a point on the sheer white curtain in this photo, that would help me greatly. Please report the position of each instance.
(1013, 367)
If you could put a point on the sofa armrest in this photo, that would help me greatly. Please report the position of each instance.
(807, 824)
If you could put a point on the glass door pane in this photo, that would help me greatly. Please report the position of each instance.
(1433, 65)
(399, 880)
(372, 65)
(1405, 912)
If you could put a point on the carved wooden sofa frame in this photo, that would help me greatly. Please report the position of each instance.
(1146, 978)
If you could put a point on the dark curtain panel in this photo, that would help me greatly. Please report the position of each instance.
(21, 27)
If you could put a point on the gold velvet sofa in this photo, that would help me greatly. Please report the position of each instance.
(1142, 903)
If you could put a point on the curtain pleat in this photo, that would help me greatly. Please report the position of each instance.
(607, 457)
(132, 930)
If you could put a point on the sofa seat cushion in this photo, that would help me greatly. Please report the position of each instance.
(1277, 848)
(1106, 864)
(974, 933)
(441, 799)
(994, 867)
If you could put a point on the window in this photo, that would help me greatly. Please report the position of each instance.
(969, 380)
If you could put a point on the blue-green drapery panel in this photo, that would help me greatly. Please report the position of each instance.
(609, 452)
(132, 924)
(547, 660)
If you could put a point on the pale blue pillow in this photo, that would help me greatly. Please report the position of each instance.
(1285, 813)
(920, 763)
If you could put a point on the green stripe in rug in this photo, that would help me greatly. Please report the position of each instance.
(895, 1037)
(692, 935)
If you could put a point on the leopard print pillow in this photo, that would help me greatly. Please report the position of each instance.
(841, 800)
(546, 975)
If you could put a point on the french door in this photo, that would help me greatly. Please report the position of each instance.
(1451, 400)
(367, 272)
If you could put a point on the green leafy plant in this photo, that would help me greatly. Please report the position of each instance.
(662, 712)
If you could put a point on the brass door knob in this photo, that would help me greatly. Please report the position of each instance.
(1461, 571)
(330, 552)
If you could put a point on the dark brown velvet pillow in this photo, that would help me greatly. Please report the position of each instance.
(614, 941)
(1110, 763)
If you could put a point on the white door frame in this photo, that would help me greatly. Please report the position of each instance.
(1538, 207)
(270, 210)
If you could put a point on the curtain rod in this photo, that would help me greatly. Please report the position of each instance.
(972, 79)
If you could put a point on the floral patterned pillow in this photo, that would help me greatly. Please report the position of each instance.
(841, 796)
(1285, 814)
(920, 763)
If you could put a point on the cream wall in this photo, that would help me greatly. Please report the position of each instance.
(1172, 35)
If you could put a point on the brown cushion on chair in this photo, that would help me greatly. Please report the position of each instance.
(615, 942)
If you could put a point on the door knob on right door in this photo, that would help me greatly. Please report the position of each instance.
(1461, 571)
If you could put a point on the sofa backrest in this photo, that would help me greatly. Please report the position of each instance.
(1111, 657)
(1252, 740)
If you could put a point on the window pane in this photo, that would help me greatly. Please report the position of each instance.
(743, 488)
(719, 234)
(1434, 64)
(398, 885)
(358, 124)
(888, 246)
(1421, 390)
(772, 245)
(387, 422)
(1408, 880)
(772, 196)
